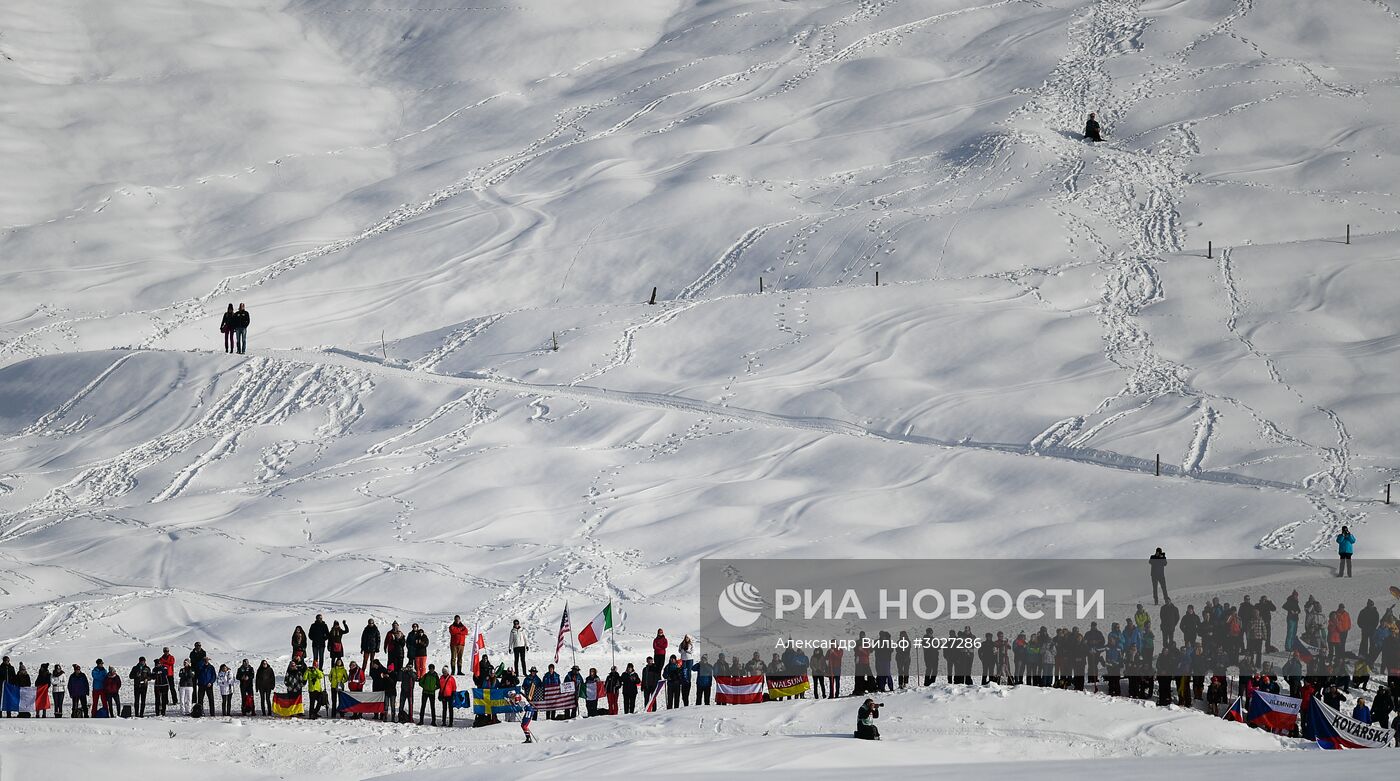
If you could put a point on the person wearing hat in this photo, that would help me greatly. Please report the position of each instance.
(592, 689)
(576, 678)
(447, 687)
(551, 678)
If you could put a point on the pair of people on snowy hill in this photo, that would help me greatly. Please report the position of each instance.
(234, 327)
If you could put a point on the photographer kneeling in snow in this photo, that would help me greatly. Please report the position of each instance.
(865, 721)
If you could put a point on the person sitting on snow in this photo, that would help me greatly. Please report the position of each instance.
(1091, 129)
(865, 721)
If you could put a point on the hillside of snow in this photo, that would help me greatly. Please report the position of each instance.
(417, 202)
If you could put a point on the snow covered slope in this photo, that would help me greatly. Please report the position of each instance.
(991, 734)
(472, 183)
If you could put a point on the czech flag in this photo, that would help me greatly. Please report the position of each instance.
(1305, 652)
(289, 705)
(1236, 711)
(1273, 712)
(361, 702)
(1337, 730)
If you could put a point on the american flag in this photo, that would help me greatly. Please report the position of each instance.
(554, 697)
(564, 631)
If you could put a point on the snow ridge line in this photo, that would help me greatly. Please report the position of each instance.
(580, 392)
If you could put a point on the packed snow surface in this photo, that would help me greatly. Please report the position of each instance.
(418, 202)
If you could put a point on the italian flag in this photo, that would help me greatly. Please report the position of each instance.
(594, 631)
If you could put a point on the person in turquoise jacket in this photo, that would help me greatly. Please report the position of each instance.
(1345, 541)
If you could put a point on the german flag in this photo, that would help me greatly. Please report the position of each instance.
(287, 705)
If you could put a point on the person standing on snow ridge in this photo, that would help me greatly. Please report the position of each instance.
(457, 641)
(318, 635)
(369, 643)
(240, 322)
(226, 328)
(1158, 561)
(518, 645)
(417, 644)
(1345, 541)
(1091, 128)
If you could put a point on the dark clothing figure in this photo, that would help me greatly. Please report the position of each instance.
(1091, 129)
(1158, 560)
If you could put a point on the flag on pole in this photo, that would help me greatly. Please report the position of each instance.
(656, 695)
(595, 629)
(564, 630)
(1305, 652)
(1235, 712)
(477, 648)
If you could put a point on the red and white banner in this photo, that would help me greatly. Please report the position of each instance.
(739, 689)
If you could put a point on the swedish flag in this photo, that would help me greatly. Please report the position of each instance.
(487, 702)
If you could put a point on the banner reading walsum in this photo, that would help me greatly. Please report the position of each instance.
(1209, 615)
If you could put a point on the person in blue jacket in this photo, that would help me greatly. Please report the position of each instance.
(1361, 713)
(207, 676)
(704, 680)
(99, 677)
(551, 678)
(1345, 541)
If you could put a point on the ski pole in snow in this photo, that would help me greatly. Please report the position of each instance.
(760, 284)
(1210, 249)
(877, 277)
(653, 296)
(1348, 233)
(554, 339)
(1159, 464)
(1387, 493)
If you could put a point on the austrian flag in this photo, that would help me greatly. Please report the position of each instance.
(594, 631)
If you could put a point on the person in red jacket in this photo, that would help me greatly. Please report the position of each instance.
(834, 658)
(457, 640)
(658, 645)
(447, 686)
(167, 660)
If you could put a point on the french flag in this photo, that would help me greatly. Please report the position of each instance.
(24, 699)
